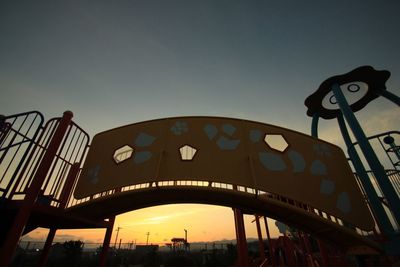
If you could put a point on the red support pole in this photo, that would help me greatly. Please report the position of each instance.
(106, 242)
(243, 258)
(69, 182)
(310, 256)
(22, 217)
(324, 254)
(46, 248)
(271, 247)
(260, 239)
(289, 251)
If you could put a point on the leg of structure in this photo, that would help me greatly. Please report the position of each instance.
(370, 156)
(243, 258)
(373, 199)
(271, 249)
(260, 239)
(324, 254)
(22, 217)
(46, 249)
(390, 96)
(314, 125)
(106, 243)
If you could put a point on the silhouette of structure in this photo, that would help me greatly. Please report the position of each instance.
(45, 181)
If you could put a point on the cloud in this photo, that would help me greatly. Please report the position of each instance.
(165, 218)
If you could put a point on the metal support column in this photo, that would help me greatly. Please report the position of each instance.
(323, 253)
(390, 96)
(271, 248)
(260, 238)
(372, 159)
(22, 217)
(314, 125)
(106, 243)
(243, 258)
(65, 193)
(47, 246)
(380, 215)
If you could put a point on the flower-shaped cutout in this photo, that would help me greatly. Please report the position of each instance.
(179, 128)
(322, 150)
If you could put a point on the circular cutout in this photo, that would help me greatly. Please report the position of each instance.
(332, 100)
(353, 87)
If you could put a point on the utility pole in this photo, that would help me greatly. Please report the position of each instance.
(147, 242)
(185, 235)
(116, 237)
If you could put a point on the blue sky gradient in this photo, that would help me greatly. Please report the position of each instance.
(119, 62)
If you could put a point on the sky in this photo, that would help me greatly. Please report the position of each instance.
(118, 62)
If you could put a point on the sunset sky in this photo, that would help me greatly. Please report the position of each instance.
(118, 62)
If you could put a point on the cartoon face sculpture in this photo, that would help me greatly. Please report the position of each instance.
(360, 86)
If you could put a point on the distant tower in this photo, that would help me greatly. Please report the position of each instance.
(339, 97)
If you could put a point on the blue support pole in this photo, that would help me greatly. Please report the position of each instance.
(380, 215)
(390, 96)
(370, 156)
(314, 125)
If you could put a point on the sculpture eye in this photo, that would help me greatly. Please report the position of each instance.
(332, 100)
(353, 87)
(352, 91)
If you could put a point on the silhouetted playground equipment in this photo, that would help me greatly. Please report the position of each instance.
(52, 176)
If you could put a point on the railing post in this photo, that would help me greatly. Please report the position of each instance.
(260, 238)
(106, 243)
(22, 217)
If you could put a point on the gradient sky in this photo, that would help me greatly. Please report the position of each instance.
(117, 62)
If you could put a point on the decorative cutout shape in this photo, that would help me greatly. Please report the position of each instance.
(122, 154)
(179, 128)
(327, 187)
(227, 144)
(187, 152)
(343, 202)
(210, 130)
(298, 162)
(142, 156)
(318, 168)
(322, 150)
(272, 162)
(276, 142)
(255, 136)
(144, 140)
(93, 174)
(229, 129)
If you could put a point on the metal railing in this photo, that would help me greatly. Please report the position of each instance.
(23, 143)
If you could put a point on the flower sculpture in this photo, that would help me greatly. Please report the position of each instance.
(363, 83)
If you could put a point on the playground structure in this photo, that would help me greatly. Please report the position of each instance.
(52, 176)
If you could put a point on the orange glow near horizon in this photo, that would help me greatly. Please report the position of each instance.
(204, 223)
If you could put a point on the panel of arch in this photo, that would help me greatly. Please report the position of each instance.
(229, 151)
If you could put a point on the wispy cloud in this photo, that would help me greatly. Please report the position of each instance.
(165, 218)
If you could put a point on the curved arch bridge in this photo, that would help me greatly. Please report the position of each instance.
(254, 168)
(293, 213)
